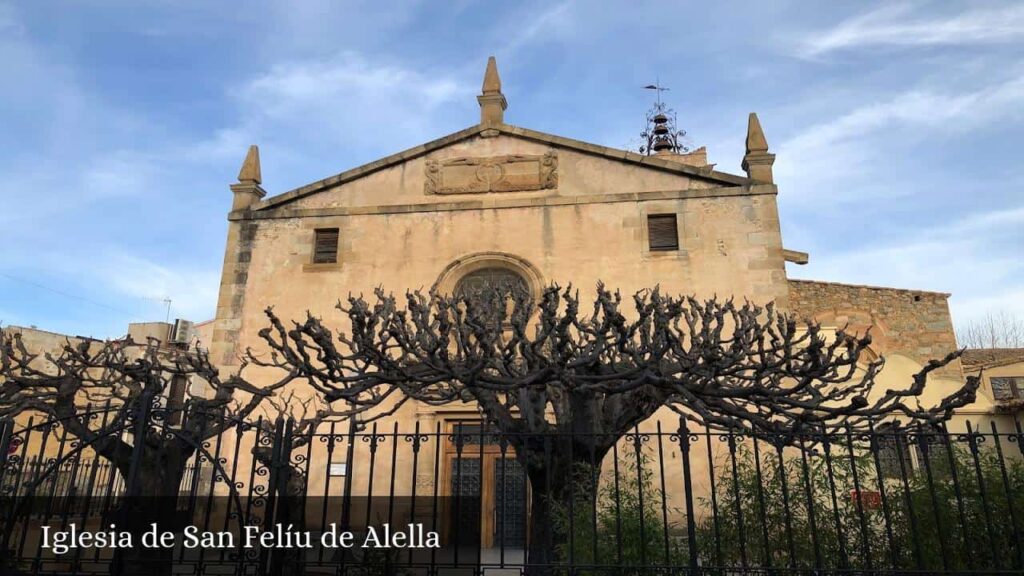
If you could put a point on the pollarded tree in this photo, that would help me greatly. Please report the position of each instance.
(110, 397)
(563, 384)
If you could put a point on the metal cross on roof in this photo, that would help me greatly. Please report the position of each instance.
(657, 87)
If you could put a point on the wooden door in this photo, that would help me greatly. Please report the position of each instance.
(487, 489)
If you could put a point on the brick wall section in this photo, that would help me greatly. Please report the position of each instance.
(913, 323)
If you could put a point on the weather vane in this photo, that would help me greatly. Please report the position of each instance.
(661, 134)
(658, 88)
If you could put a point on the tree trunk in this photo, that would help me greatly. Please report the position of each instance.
(562, 479)
(156, 490)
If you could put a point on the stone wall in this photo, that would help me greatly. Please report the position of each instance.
(912, 323)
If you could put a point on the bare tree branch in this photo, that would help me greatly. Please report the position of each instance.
(999, 329)
(547, 366)
(120, 378)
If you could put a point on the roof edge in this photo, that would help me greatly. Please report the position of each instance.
(18, 328)
(626, 155)
(1016, 355)
(509, 130)
(870, 287)
(368, 168)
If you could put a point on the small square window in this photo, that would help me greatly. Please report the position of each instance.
(662, 232)
(325, 246)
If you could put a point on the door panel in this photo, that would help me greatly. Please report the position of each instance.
(465, 501)
(509, 503)
(487, 488)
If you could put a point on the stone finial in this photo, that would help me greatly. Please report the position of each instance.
(492, 82)
(755, 135)
(492, 101)
(757, 162)
(250, 171)
(248, 191)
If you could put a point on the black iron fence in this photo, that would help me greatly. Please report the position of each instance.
(666, 498)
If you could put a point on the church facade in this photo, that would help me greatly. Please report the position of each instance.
(500, 202)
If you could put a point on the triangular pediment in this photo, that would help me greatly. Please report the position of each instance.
(496, 160)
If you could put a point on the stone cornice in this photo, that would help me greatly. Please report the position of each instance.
(653, 162)
(504, 202)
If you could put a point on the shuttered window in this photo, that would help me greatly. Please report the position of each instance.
(662, 232)
(325, 246)
(1007, 388)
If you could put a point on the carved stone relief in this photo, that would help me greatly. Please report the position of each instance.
(512, 173)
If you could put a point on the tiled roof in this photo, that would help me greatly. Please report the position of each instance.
(989, 356)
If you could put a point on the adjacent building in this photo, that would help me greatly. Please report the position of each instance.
(1001, 397)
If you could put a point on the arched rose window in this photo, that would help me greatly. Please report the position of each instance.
(489, 281)
(486, 285)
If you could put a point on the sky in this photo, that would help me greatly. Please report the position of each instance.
(897, 126)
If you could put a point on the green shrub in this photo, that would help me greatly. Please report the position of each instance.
(620, 525)
(920, 524)
(803, 511)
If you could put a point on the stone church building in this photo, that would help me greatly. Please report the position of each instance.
(499, 202)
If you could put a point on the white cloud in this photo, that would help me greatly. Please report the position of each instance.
(350, 97)
(974, 258)
(894, 25)
(831, 151)
(315, 83)
(121, 281)
(347, 108)
(192, 290)
(1009, 300)
(986, 221)
(555, 22)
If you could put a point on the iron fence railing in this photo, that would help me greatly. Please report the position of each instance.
(666, 498)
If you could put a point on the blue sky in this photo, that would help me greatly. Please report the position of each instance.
(897, 126)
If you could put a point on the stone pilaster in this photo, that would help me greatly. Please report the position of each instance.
(227, 326)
